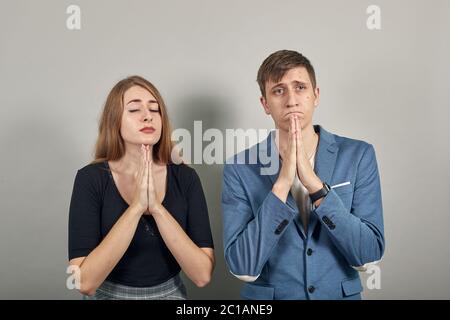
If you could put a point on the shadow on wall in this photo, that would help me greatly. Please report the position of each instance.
(213, 112)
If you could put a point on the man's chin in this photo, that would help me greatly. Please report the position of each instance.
(284, 126)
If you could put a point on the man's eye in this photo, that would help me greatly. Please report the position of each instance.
(278, 91)
(134, 110)
(301, 87)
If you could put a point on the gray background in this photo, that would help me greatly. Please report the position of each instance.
(388, 87)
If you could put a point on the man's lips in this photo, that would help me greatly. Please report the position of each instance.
(147, 130)
(294, 113)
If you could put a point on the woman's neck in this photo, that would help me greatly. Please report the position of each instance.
(131, 160)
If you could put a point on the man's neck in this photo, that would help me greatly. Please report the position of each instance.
(309, 139)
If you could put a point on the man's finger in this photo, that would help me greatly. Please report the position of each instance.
(299, 128)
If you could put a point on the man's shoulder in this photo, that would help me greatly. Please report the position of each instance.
(342, 142)
(353, 149)
(349, 148)
(247, 159)
(346, 142)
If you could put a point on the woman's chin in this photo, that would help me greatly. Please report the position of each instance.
(149, 142)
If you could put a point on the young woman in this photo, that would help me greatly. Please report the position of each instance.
(136, 218)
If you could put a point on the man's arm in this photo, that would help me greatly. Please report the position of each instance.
(250, 236)
(359, 236)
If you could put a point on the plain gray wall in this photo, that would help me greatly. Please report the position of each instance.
(388, 87)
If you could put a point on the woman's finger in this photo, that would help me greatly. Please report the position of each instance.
(145, 177)
(150, 174)
(142, 163)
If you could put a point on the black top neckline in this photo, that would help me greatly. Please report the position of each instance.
(116, 189)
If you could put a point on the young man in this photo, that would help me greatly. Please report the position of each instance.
(302, 232)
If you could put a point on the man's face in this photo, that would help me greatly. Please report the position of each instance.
(292, 95)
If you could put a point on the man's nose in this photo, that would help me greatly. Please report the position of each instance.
(292, 98)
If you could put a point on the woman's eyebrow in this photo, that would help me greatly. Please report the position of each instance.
(139, 100)
(134, 100)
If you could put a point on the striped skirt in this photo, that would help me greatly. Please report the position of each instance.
(172, 289)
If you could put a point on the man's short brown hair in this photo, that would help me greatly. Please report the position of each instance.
(278, 63)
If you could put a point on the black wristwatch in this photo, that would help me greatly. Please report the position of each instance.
(320, 194)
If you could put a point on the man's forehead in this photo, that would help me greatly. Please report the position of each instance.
(298, 74)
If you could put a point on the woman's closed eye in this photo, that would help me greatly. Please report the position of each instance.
(151, 110)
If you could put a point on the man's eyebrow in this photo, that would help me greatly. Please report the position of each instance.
(139, 100)
(301, 82)
(278, 85)
(295, 82)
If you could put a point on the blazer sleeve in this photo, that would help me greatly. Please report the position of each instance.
(359, 236)
(250, 234)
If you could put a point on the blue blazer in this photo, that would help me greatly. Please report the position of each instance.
(264, 240)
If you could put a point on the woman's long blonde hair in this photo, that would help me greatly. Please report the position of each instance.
(110, 145)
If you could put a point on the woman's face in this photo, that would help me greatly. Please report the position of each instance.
(141, 118)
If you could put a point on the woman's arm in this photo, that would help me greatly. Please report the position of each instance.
(98, 264)
(197, 263)
(95, 267)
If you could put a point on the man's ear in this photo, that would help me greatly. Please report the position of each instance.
(317, 96)
(264, 104)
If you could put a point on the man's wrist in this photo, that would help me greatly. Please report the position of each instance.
(315, 186)
(281, 190)
(319, 194)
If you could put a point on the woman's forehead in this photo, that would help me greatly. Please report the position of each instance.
(138, 93)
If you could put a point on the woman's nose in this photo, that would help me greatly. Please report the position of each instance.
(148, 116)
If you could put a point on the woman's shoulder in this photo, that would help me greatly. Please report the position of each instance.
(94, 171)
(184, 174)
(182, 170)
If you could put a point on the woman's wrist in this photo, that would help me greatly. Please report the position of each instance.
(136, 209)
(157, 210)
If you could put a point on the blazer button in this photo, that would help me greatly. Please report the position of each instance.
(311, 289)
(309, 252)
(281, 226)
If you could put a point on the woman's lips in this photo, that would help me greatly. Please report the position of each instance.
(148, 130)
